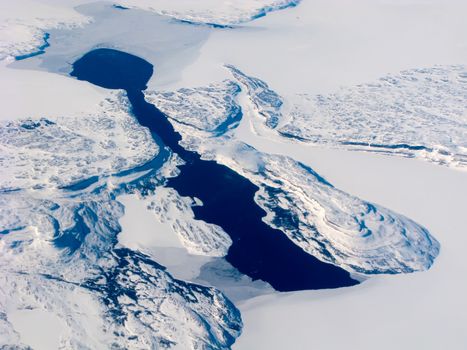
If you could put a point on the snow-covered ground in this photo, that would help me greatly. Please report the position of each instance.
(342, 78)
(216, 13)
(38, 328)
(142, 231)
(418, 113)
(59, 257)
(24, 22)
(415, 311)
(212, 108)
(383, 72)
(60, 151)
(24, 96)
(321, 45)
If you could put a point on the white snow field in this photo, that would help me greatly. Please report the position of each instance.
(24, 22)
(18, 86)
(144, 232)
(93, 243)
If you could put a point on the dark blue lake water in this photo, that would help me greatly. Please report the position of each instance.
(258, 250)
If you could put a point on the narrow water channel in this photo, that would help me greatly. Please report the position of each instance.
(258, 250)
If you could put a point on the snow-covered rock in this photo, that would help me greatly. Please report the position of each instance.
(212, 108)
(338, 227)
(212, 12)
(197, 236)
(267, 102)
(328, 223)
(418, 113)
(61, 258)
(64, 150)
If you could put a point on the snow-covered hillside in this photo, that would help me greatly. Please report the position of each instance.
(59, 225)
(60, 258)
